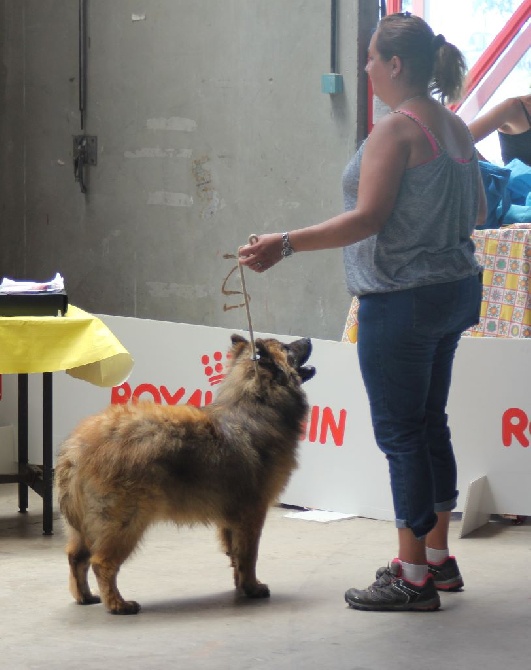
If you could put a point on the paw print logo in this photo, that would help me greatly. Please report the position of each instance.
(214, 367)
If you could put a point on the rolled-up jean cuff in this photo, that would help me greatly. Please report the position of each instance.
(446, 506)
(400, 523)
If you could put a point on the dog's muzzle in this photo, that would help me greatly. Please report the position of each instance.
(301, 351)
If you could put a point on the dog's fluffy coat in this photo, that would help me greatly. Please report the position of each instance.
(133, 465)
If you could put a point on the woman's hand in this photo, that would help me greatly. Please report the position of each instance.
(262, 254)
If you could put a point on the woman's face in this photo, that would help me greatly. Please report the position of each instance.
(379, 71)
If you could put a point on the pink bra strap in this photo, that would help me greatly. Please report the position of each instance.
(436, 147)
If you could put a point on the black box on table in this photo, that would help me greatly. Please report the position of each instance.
(34, 304)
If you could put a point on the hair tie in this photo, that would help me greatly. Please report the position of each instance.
(438, 41)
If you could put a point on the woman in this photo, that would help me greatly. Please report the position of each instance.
(413, 195)
(512, 119)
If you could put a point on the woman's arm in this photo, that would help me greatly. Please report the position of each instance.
(383, 164)
(508, 116)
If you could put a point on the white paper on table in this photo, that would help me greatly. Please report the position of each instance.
(10, 286)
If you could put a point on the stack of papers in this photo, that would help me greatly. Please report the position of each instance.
(10, 286)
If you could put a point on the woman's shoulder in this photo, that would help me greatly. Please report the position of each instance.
(394, 127)
(389, 140)
(516, 110)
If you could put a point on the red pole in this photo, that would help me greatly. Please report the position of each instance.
(394, 6)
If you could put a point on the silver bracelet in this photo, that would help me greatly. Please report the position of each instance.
(287, 249)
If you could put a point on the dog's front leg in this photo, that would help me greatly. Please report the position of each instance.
(246, 538)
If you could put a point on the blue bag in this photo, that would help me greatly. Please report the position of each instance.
(519, 184)
(519, 193)
(495, 180)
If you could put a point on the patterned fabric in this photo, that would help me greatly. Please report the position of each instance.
(350, 332)
(505, 254)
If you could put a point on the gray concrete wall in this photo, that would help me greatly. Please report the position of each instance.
(211, 125)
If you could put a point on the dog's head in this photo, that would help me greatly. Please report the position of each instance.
(281, 361)
(267, 387)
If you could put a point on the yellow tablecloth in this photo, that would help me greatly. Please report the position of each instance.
(78, 343)
(505, 254)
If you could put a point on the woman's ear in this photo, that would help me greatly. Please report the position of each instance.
(396, 66)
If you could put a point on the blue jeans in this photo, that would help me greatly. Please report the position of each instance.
(406, 346)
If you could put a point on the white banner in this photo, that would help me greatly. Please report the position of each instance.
(340, 466)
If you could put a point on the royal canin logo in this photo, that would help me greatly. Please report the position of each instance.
(322, 426)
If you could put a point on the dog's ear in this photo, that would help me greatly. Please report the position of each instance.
(239, 343)
(262, 349)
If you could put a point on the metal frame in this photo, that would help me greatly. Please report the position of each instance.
(499, 44)
(37, 477)
(476, 99)
(493, 66)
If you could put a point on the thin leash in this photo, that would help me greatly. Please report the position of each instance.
(252, 239)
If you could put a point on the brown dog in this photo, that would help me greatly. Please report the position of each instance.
(225, 464)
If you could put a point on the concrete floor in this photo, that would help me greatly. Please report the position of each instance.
(191, 619)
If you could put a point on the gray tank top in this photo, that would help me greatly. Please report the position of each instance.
(427, 239)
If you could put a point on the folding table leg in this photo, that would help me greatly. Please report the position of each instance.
(47, 453)
(22, 439)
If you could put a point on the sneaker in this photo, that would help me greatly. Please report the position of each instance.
(390, 592)
(446, 575)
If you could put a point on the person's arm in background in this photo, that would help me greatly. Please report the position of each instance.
(507, 116)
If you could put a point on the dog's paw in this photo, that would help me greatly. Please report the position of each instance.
(127, 607)
(257, 590)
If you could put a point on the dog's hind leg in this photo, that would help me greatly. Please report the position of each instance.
(106, 572)
(246, 538)
(225, 536)
(111, 551)
(79, 561)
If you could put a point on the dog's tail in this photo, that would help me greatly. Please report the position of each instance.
(66, 483)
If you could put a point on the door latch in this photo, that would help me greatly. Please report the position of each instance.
(85, 152)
